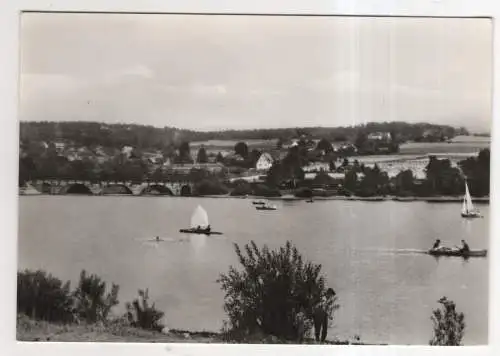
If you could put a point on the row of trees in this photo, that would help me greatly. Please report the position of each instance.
(262, 299)
(88, 134)
(442, 179)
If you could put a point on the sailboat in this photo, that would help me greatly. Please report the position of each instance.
(468, 210)
(200, 223)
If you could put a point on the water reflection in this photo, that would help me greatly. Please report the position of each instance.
(198, 242)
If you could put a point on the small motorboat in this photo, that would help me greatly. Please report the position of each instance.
(457, 252)
(258, 203)
(266, 207)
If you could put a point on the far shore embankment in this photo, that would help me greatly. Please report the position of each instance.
(289, 197)
(436, 199)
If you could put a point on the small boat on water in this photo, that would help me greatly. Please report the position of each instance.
(468, 209)
(200, 224)
(457, 252)
(258, 202)
(266, 207)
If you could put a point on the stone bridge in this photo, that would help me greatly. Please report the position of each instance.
(60, 187)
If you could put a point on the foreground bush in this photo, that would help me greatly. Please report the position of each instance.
(92, 303)
(142, 315)
(210, 187)
(242, 188)
(304, 193)
(263, 190)
(449, 325)
(44, 297)
(261, 298)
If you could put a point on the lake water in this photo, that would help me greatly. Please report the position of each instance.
(386, 289)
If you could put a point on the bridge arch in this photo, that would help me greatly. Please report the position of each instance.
(45, 188)
(186, 190)
(156, 189)
(116, 189)
(78, 188)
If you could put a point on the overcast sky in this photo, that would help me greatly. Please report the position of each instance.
(221, 72)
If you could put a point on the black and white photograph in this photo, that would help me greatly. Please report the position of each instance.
(254, 179)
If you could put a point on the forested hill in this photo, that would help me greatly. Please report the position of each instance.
(141, 136)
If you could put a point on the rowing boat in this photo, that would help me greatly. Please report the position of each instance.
(458, 253)
(200, 224)
(199, 232)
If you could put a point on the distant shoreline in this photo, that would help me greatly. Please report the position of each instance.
(436, 199)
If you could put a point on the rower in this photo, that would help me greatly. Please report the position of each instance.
(436, 244)
(465, 247)
(157, 238)
(208, 228)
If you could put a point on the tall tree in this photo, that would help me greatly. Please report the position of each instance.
(184, 153)
(324, 145)
(241, 149)
(405, 181)
(351, 180)
(202, 155)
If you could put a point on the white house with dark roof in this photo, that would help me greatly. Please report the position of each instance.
(265, 162)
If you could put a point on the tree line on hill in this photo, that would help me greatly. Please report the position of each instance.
(89, 134)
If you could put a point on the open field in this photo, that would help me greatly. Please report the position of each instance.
(229, 144)
(460, 144)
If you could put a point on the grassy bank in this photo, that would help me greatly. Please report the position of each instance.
(32, 330)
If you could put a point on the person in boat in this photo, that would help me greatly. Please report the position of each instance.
(208, 229)
(437, 244)
(465, 247)
(157, 238)
(322, 313)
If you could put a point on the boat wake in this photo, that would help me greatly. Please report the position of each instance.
(403, 251)
(155, 241)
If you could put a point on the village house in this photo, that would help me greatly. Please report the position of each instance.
(186, 168)
(316, 167)
(335, 175)
(234, 157)
(127, 151)
(60, 146)
(379, 136)
(344, 147)
(264, 163)
(155, 158)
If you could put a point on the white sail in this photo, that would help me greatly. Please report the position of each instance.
(464, 206)
(199, 218)
(468, 200)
